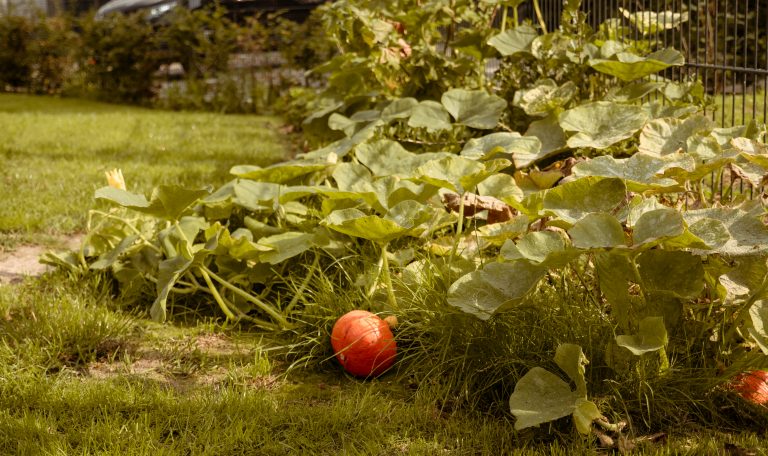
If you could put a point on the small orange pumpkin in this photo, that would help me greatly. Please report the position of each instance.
(363, 343)
(752, 386)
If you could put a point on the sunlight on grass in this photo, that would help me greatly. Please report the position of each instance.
(739, 109)
(55, 152)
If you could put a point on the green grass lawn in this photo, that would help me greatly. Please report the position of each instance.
(78, 375)
(83, 373)
(54, 153)
(737, 110)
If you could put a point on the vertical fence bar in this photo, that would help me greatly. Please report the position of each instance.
(716, 47)
(735, 53)
(636, 30)
(698, 45)
(755, 62)
(688, 44)
(725, 62)
(744, 64)
(664, 37)
(765, 78)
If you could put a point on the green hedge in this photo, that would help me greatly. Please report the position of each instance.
(117, 58)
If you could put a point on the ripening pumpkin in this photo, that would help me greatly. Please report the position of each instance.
(752, 386)
(363, 343)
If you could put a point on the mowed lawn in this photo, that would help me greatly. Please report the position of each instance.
(54, 152)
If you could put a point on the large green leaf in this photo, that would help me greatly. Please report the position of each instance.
(399, 109)
(584, 414)
(711, 231)
(256, 196)
(474, 108)
(633, 91)
(650, 22)
(499, 233)
(745, 277)
(571, 359)
(638, 206)
(574, 200)
(602, 123)
(167, 201)
(503, 187)
(523, 150)
(629, 67)
(278, 174)
(356, 223)
(748, 234)
(640, 171)
(674, 272)
(651, 336)
(550, 133)
(540, 397)
(458, 174)
(386, 157)
(354, 181)
(535, 246)
(657, 224)
(285, 245)
(401, 220)
(337, 149)
(123, 198)
(669, 135)
(514, 40)
(615, 273)
(483, 292)
(754, 151)
(597, 230)
(109, 258)
(430, 115)
(168, 274)
(545, 97)
(545, 248)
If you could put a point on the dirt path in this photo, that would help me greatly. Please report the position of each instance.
(24, 260)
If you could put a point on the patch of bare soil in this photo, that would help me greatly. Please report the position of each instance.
(158, 366)
(24, 260)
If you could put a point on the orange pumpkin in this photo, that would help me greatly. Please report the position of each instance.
(363, 343)
(752, 386)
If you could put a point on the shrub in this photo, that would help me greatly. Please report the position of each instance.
(52, 55)
(15, 60)
(117, 57)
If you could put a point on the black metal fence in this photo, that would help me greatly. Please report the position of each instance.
(725, 43)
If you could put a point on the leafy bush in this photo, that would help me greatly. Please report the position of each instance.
(51, 54)
(117, 56)
(15, 58)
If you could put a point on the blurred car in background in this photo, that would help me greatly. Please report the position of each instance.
(156, 10)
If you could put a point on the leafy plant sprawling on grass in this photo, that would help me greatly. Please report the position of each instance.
(566, 175)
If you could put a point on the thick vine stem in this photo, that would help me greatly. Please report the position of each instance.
(216, 296)
(274, 314)
(374, 282)
(387, 278)
(242, 316)
(459, 229)
(608, 426)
